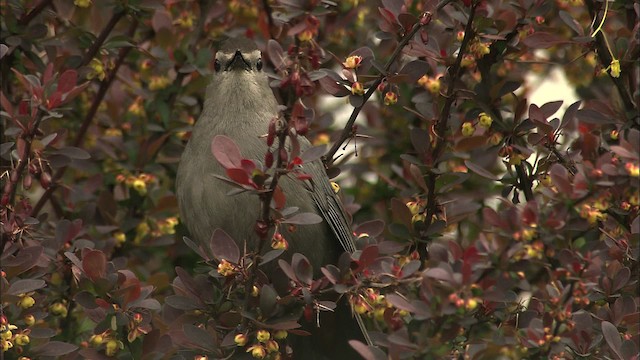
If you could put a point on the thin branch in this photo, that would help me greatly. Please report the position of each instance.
(605, 60)
(347, 131)
(524, 181)
(265, 215)
(26, 18)
(442, 123)
(95, 47)
(102, 91)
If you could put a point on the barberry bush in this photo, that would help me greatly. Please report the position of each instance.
(487, 225)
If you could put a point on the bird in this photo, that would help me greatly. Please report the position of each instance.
(239, 104)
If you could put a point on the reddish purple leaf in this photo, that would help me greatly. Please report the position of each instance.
(240, 176)
(366, 351)
(67, 81)
(372, 228)
(223, 247)
(23, 286)
(225, 150)
(560, 178)
(612, 336)
(480, 170)
(94, 264)
(542, 40)
(302, 268)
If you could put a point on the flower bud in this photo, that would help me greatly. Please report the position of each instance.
(263, 335)
(26, 302)
(240, 339)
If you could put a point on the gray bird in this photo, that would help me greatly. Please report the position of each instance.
(239, 104)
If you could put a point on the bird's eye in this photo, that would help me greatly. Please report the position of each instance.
(216, 65)
(259, 64)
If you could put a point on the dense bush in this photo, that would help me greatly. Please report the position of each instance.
(487, 226)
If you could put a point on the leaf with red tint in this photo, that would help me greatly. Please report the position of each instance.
(54, 100)
(248, 165)
(479, 170)
(74, 92)
(94, 264)
(223, 247)
(372, 228)
(239, 176)
(6, 104)
(302, 268)
(48, 74)
(491, 216)
(130, 290)
(542, 40)
(551, 108)
(368, 256)
(287, 270)
(560, 179)
(67, 81)
(612, 336)
(332, 86)
(530, 213)
(279, 198)
(538, 117)
(225, 150)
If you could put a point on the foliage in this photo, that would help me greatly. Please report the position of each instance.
(486, 226)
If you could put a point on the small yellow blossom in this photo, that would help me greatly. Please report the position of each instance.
(278, 242)
(467, 61)
(413, 206)
(26, 302)
(29, 320)
(82, 3)
(257, 351)
(352, 62)
(485, 120)
(58, 309)
(390, 98)
(113, 132)
(111, 348)
(263, 335)
(418, 217)
(360, 306)
(240, 339)
(460, 35)
(142, 230)
(304, 36)
(468, 129)
(357, 88)
(496, 139)
(615, 68)
(226, 268)
(96, 340)
(98, 70)
(471, 304)
(615, 134)
(272, 346)
(185, 20)
(632, 169)
(167, 226)
(280, 334)
(159, 83)
(136, 108)
(120, 238)
(335, 187)
(140, 186)
(480, 49)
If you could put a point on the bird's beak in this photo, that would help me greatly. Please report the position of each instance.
(238, 62)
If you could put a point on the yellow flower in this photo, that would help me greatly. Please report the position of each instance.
(360, 305)
(615, 68)
(140, 186)
(112, 347)
(485, 120)
(467, 61)
(278, 242)
(226, 268)
(257, 351)
(136, 108)
(496, 139)
(185, 20)
(305, 36)
(21, 340)
(357, 88)
(335, 187)
(263, 335)
(272, 346)
(113, 132)
(480, 49)
(97, 70)
(471, 304)
(96, 340)
(413, 206)
(58, 309)
(390, 98)
(240, 339)
(82, 3)
(167, 226)
(418, 217)
(159, 82)
(352, 62)
(280, 334)
(26, 302)
(468, 129)
(29, 320)
(632, 169)
(120, 238)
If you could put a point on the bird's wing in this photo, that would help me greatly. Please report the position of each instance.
(334, 214)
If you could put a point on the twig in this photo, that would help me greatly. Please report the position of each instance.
(605, 60)
(102, 91)
(442, 123)
(26, 18)
(265, 214)
(328, 158)
(91, 53)
(524, 181)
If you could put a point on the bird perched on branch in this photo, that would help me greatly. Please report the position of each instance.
(240, 104)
